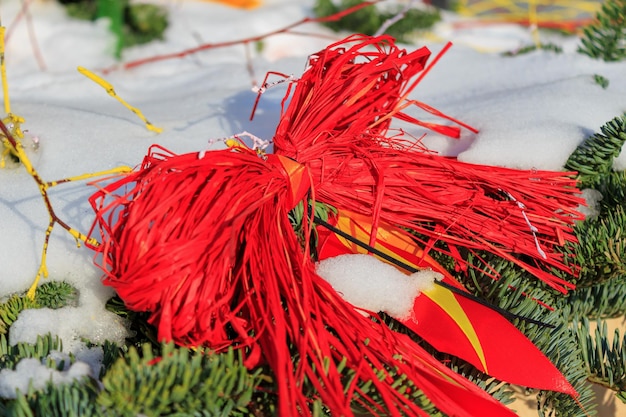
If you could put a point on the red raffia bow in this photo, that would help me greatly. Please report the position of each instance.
(203, 241)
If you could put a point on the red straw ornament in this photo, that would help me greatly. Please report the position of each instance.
(203, 243)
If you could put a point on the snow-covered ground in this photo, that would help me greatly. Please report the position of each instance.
(531, 110)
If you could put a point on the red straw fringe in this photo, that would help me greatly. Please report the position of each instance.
(337, 125)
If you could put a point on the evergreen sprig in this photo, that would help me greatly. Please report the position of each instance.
(52, 294)
(550, 47)
(613, 190)
(606, 38)
(176, 380)
(141, 331)
(76, 399)
(605, 360)
(132, 23)
(296, 218)
(593, 159)
(601, 80)
(11, 308)
(56, 294)
(62, 400)
(603, 300)
(111, 352)
(601, 248)
(10, 355)
(401, 384)
(369, 20)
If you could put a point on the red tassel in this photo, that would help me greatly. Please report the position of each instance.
(337, 124)
(204, 244)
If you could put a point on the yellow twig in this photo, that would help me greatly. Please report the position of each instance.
(109, 89)
(546, 11)
(3, 71)
(82, 177)
(16, 147)
(533, 21)
(11, 135)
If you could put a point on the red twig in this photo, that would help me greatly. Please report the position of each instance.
(249, 65)
(206, 46)
(25, 12)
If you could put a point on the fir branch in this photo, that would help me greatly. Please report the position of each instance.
(53, 294)
(63, 400)
(56, 294)
(551, 47)
(408, 388)
(605, 360)
(370, 19)
(613, 190)
(264, 399)
(83, 10)
(111, 353)
(11, 308)
(144, 23)
(605, 300)
(10, 355)
(606, 38)
(593, 159)
(142, 331)
(296, 218)
(601, 80)
(177, 380)
(601, 248)
(602, 240)
(564, 350)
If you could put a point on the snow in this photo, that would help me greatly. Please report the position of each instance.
(373, 285)
(95, 324)
(531, 110)
(592, 198)
(31, 371)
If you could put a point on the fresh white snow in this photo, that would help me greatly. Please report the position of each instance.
(31, 372)
(373, 285)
